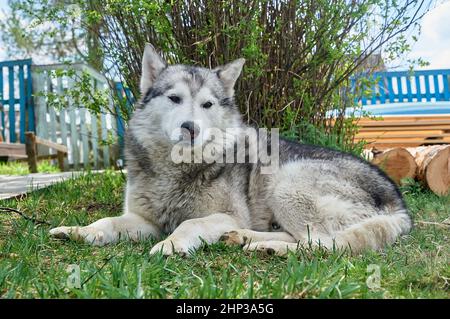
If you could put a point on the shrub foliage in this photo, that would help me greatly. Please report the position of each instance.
(301, 54)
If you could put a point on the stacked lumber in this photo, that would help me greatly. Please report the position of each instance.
(404, 131)
(428, 164)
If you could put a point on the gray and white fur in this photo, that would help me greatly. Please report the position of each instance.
(316, 196)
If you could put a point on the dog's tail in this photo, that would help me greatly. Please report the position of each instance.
(375, 233)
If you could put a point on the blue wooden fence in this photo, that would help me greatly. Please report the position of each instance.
(405, 86)
(127, 99)
(22, 108)
(16, 99)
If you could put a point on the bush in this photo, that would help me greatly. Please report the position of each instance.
(300, 55)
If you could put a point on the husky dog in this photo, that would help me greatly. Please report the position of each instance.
(315, 196)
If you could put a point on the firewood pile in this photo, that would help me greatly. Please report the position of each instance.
(416, 146)
(428, 164)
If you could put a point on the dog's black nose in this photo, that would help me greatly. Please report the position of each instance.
(190, 127)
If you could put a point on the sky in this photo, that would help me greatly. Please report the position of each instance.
(3, 9)
(433, 44)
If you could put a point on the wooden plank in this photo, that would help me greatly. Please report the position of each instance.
(382, 146)
(408, 140)
(404, 128)
(399, 119)
(363, 97)
(403, 123)
(15, 62)
(384, 138)
(446, 79)
(384, 134)
(418, 88)
(63, 126)
(374, 94)
(104, 135)
(2, 113)
(407, 118)
(409, 89)
(79, 67)
(12, 111)
(390, 90)
(12, 150)
(427, 88)
(114, 132)
(41, 108)
(94, 130)
(74, 138)
(51, 111)
(30, 101)
(405, 132)
(73, 130)
(52, 124)
(22, 111)
(381, 86)
(84, 137)
(62, 119)
(400, 89)
(94, 138)
(436, 87)
(52, 145)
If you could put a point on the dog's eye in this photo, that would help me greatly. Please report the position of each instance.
(175, 99)
(207, 105)
(275, 226)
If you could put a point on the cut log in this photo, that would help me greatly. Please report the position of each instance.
(433, 167)
(398, 163)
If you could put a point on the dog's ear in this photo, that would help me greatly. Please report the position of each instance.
(152, 65)
(229, 73)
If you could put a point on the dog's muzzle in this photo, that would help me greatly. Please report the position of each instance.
(189, 131)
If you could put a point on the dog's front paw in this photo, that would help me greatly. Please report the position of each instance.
(235, 237)
(170, 247)
(270, 248)
(88, 235)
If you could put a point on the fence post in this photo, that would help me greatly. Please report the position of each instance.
(61, 157)
(30, 146)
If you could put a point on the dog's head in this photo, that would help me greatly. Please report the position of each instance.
(187, 104)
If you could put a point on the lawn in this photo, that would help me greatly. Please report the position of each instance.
(21, 168)
(33, 265)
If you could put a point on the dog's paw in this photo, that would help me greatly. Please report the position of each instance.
(89, 235)
(170, 247)
(270, 248)
(235, 237)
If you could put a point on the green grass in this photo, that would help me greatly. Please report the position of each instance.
(34, 265)
(21, 168)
